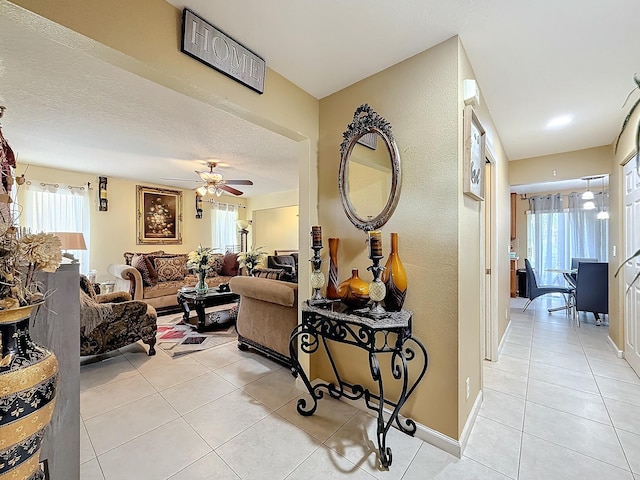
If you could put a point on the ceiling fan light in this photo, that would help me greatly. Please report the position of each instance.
(202, 191)
(589, 205)
(218, 192)
(216, 177)
(211, 189)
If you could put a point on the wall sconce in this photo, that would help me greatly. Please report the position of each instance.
(198, 205)
(102, 194)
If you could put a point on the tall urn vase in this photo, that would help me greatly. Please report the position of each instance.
(28, 379)
(333, 283)
(394, 278)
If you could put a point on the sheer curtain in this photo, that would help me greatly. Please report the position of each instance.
(546, 237)
(61, 209)
(556, 234)
(223, 224)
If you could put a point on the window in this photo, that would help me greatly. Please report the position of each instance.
(60, 209)
(556, 234)
(224, 234)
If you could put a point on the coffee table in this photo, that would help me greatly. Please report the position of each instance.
(191, 300)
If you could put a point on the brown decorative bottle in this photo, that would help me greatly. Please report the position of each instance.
(333, 283)
(394, 278)
(354, 292)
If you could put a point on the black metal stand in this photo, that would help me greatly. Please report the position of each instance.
(390, 335)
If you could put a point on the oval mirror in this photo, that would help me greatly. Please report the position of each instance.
(369, 176)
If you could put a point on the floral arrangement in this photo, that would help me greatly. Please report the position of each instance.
(200, 259)
(22, 254)
(251, 258)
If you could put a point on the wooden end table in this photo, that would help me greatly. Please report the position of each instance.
(191, 300)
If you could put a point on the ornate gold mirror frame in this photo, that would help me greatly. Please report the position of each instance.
(366, 126)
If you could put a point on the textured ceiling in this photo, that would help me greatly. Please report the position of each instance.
(533, 62)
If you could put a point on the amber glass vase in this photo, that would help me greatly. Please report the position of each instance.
(333, 283)
(394, 278)
(354, 292)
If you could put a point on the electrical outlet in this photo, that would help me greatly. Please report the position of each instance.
(468, 387)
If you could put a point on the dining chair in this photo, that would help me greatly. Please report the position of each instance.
(592, 290)
(571, 278)
(536, 290)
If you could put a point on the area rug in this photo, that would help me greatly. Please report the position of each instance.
(176, 338)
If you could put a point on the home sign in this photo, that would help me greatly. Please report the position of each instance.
(207, 44)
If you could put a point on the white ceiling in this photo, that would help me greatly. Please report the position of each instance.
(533, 62)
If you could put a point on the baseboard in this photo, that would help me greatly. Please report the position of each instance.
(619, 353)
(504, 338)
(471, 420)
(424, 433)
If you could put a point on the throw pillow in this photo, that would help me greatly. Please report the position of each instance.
(145, 267)
(170, 268)
(215, 268)
(272, 273)
(230, 265)
(129, 255)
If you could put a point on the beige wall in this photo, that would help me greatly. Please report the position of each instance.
(114, 232)
(568, 166)
(276, 228)
(472, 262)
(143, 37)
(438, 227)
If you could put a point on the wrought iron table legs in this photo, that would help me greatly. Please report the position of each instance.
(308, 338)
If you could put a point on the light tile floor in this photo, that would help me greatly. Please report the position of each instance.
(558, 404)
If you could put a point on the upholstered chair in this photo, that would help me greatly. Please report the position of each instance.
(536, 290)
(112, 320)
(285, 262)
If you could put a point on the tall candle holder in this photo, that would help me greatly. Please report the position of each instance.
(377, 289)
(317, 277)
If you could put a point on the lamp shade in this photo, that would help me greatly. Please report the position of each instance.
(242, 224)
(71, 240)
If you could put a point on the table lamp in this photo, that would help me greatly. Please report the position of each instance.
(71, 241)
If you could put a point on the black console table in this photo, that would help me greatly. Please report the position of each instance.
(389, 335)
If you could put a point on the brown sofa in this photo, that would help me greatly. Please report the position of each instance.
(267, 315)
(156, 277)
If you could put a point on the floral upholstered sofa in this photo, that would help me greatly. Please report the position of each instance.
(156, 277)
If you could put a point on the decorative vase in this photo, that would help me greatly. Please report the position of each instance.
(394, 278)
(201, 286)
(333, 283)
(354, 292)
(28, 380)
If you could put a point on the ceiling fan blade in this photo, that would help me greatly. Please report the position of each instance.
(181, 179)
(229, 189)
(238, 182)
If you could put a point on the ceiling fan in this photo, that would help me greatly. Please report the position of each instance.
(214, 182)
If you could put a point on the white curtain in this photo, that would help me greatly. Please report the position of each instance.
(62, 209)
(224, 233)
(556, 234)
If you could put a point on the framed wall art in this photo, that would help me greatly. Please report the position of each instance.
(473, 155)
(159, 216)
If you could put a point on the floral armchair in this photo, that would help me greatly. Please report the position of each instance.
(112, 320)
